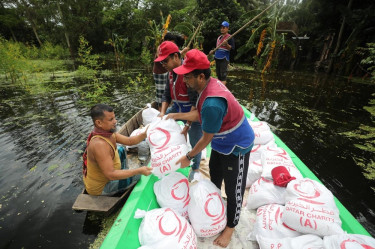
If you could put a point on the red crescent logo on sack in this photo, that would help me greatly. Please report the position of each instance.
(181, 231)
(167, 137)
(313, 195)
(343, 244)
(216, 218)
(186, 195)
(255, 148)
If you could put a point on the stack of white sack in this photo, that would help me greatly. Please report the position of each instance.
(167, 146)
(268, 224)
(207, 211)
(310, 208)
(264, 192)
(304, 241)
(348, 241)
(173, 191)
(149, 115)
(164, 228)
(262, 132)
(258, 148)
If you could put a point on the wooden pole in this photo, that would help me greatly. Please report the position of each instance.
(244, 26)
(195, 33)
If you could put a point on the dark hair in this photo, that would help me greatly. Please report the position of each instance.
(172, 54)
(206, 72)
(97, 111)
(175, 37)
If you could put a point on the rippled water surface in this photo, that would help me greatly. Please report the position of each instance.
(43, 130)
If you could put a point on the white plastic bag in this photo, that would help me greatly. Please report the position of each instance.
(307, 241)
(164, 161)
(149, 114)
(268, 223)
(165, 228)
(207, 212)
(135, 133)
(164, 133)
(173, 191)
(349, 241)
(264, 192)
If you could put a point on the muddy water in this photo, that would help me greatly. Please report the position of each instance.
(43, 131)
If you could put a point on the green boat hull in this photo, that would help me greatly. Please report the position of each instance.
(124, 231)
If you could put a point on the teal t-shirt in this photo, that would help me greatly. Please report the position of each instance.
(213, 112)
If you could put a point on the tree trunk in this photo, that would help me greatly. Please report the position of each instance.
(66, 34)
(338, 40)
(36, 34)
(13, 36)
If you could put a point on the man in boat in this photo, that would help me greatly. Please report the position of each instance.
(222, 54)
(225, 126)
(103, 172)
(184, 100)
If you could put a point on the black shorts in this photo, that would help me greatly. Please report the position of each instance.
(221, 69)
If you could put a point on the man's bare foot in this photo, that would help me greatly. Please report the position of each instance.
(224, 238)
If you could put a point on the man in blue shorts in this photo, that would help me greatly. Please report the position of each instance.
(225, 126)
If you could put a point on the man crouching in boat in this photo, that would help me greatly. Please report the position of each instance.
(103, 172)
(225, 126)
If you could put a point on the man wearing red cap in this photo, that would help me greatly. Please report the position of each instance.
(225, 126)
(184, 100)
(222, 54)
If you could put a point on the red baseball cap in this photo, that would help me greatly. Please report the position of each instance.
(165, 49)
(194, 59)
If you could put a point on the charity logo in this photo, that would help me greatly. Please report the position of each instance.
(160, 135)
(312, 193)
(181, 195)
(169, 228)
(351, 243)
(215, 199)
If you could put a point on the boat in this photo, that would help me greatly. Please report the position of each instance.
(107, 204)
(124, 231)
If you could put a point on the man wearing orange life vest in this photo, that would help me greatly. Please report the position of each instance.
(102, 172)
(222, 54)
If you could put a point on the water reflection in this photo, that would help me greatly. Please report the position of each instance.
(42, 135)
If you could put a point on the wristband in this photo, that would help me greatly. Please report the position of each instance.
(188, 157)
(188, 125)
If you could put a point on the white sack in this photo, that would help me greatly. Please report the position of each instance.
(164, 133)
(262, 132)
(311, 191)
(258, 148)
(264, 192)
(207, 212)
(164, 161)
(268, 224)
(276, 157)
(349, 241)
(165, 227)
(149, 114)
(308, 241)
(254, 172)
(173, 191)
(310, 218)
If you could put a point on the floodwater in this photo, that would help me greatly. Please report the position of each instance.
(326, 121)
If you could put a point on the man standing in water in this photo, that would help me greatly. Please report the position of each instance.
(184, 100)
(222, 54)
(225, 126)
(102, 171)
